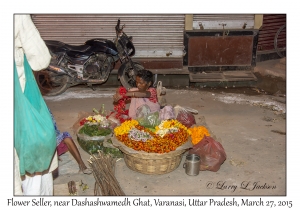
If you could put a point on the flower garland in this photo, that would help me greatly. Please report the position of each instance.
(197, 133)
(125, 127)
(139, 135)
(151, 141)
(119, 107)
(169, 126)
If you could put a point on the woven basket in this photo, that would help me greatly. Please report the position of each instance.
(153, 163)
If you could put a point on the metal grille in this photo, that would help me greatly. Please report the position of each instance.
(230, 21)
(154, 35)
(271, 24)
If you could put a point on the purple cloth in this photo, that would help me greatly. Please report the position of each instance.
(60, 146)
(167, 113)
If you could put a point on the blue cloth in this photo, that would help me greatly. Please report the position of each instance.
(59, 136)
(34, 135)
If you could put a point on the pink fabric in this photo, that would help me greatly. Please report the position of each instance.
(61, 148)
(137, 102)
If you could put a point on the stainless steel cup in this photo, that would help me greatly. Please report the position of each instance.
(192, 164)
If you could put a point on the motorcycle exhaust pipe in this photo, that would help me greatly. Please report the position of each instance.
(94, 81)
(56, 69)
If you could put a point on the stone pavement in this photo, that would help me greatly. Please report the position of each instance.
(69, 171)
(272, 68)
(134, 183)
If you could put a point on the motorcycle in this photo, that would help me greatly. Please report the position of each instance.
(88, 64)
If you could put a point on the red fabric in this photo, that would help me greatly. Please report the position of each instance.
(153, 97)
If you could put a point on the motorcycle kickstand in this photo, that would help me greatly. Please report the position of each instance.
(91, 86)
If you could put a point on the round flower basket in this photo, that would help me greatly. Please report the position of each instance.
(151, 163)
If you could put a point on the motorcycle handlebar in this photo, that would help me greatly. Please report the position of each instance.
(118, 29)
(118, 26)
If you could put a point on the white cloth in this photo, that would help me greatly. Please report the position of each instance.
(29, 41)
(41, 182)
(38, 185)
(18, 189)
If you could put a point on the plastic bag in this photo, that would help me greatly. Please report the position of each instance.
(150, 121)
(143, 111)
(167, 113)
(86, 137)
(184, 116)
(34, 134)
(113, 119)
(212, 154)
(91, 144)
(161, 94)
(109, 148)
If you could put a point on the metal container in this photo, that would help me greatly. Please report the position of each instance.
(192, 164)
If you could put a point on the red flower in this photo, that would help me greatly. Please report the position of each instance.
(120, 106)
(83, 121)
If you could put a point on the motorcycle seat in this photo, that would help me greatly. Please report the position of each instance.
(78, 48)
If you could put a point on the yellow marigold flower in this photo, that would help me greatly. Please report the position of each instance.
(125, 127)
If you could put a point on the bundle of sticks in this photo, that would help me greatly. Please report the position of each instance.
(103, 167)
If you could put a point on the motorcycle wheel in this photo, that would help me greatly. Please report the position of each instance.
(128, 73)
(51, 85)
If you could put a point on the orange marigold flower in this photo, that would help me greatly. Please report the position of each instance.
(157, 144)
(197, 133)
